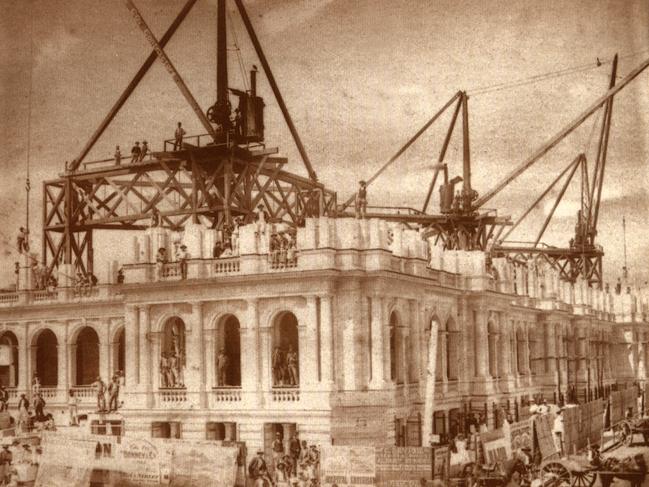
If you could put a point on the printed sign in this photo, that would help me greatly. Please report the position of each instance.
(543, 424)
(520, 435)
(62, 476)
(348, 466)
(441, 463)
(403, 466)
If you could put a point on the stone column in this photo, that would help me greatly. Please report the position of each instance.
(132, 347)
(550, 348)
(62, 356)
(195, 354)
(415, 334)
(326, 341)
(210, 357)
(480, 345)
(146, 372)
(250, 379)
(376, 330)
(385, 338)
(24, 358)
(308, 356)
(104, 353)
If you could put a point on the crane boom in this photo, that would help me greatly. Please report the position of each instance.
(560, 135)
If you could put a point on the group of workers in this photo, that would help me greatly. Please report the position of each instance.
(138, 152)
(298, 466)
(112, 390)
(285, 367)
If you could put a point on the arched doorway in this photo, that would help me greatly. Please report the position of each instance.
(285, 355)
(119, 352)
(172, 354)
(8, 359)
(47, 358)
(228, 353)
(87, 357)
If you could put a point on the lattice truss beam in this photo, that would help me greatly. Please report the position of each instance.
(212, 185)
(570, 265)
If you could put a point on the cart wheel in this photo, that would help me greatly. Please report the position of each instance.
(583, 479)
(556, 473)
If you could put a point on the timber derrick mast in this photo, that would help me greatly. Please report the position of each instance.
(214, 177)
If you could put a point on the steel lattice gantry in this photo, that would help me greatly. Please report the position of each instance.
(212, 184)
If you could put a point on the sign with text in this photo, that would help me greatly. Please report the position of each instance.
(520, 435)
(50, 475)
(348, 466)
(441, 463)
(398, 466)
(543, 424)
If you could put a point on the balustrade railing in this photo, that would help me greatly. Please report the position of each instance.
(8, 298)
(285, 394)
(173, 397)
(48, 392)
(228, 265)
(84, 392)
(44, 296)
(227, 394)
(171, 271)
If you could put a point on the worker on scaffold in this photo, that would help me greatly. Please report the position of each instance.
(178, 137)
(22, 240)
(361, 200)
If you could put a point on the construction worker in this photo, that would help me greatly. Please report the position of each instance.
(135, 152)
(160, 261)
(361, 200)
(278, 450)
(144, 150)
(257, 468)
(178, 137)
(39, 406)
(100, 386)
(181, 257)
(292, 366)
(22, 240)
(278, 367)
(118, 156)
(113, 394)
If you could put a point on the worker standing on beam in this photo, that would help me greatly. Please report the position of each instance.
(178, 137)
(361, 200)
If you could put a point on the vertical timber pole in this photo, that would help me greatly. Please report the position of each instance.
(67, 234)
(221, 56)
(466, 152)
(227, 182)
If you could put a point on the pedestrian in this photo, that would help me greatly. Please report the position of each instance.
(23, 414)
(144, 150)
(160, 261)
(118, 156)
(135, 152)
(4, 398)
(278, 450)
(5, 464)
(178, 137)
(100, 387)
(22, 240)
(222, 363)
(361, 200)
(73, 407)
(181, 257)
(113, 394)
(257, 466)
(39, 405)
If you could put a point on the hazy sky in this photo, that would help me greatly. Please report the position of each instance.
(359, 77)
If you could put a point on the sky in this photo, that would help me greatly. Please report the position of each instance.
(359, 78)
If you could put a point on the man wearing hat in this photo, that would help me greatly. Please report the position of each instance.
(144, 150)
(361, 200)
(257, 467)
(101, 397)
(278, 449)
(135, 152)
(5, 464)
(181, 257)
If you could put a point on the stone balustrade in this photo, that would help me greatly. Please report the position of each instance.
(285, 394)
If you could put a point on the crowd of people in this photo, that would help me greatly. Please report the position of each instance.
(297, 465)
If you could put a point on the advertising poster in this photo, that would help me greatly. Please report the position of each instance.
(543, 424)
(520, 435)
(348, 466)
(403, 466)
(441, 463)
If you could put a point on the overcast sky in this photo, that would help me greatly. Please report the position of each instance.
(359, 77)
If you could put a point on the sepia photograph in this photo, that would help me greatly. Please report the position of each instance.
(324, 243)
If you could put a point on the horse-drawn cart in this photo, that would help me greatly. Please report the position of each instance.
(626, 430)
(578, 472)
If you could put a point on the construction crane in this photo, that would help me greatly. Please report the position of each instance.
(214, 177)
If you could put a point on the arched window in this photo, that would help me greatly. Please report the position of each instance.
(396, 362)
(119, 352)
(520, 351)
(452, 350)
(172, 354)
(8, 359)
(87, 357)
(228, 354)
(440, 362)
(285, 358)
(46, 357)
(492, 342)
